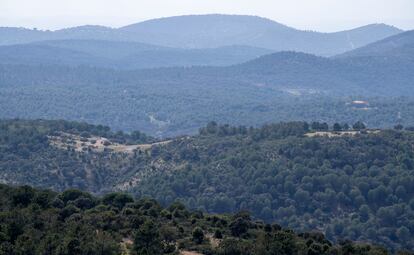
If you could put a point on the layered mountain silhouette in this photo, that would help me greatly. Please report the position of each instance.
(401, 46)
(235, 69)
(213, 31)
(122, 55)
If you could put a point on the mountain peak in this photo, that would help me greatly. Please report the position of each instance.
(376, 27)
(207, 20)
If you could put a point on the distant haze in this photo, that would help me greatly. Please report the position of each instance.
(320, 15)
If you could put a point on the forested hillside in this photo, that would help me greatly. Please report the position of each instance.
(28, 157)
(223, 68)
(400, 45)
(73, 222)
(122, 55)
(206, 134)
(164, 102)
(355, 184)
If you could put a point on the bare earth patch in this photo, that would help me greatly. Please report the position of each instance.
(189, 253)
(339, 133)
(214, 242)
(96, 144)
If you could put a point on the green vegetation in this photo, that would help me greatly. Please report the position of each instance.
(175, 101)
(122, 55)
(356, 186)
(328, 173)
(77, 223)
(26, 156)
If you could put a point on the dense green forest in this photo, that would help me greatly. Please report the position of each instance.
(26, 156)
(163, 102)
(356, 186)
(76, 223)
(311, 150)
(104, 76)
(174, 101)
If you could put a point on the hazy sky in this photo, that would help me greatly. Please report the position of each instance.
(321, 15)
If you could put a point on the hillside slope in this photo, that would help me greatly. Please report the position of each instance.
(199, 31)
(170, 101)
(46, 55)
(74, 222)
(212, 31)
(122, 55)
(357, 186)
(401, 46)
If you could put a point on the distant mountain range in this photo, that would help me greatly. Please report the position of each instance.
(401, 46)
(170, 77)
(167, 91)
(347, 76)
(174, 101)
(122, 55)
(213, 31)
